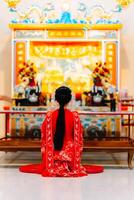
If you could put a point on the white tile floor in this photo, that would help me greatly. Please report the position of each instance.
(116, 183)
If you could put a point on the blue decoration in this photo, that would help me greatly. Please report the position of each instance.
(49, 21)
(33, 21)
(105, 21)
(82, 22)
(75, 21)
(117, 22)
(66, 18)
(12, 10)
(14, 21)
(118, 9)
(57, 21)
(27, 21)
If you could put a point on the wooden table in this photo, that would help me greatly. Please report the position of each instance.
(108, 144)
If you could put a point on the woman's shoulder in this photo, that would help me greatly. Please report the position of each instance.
(71, 111)
(71, 114)
(52, 113)
(67, 111)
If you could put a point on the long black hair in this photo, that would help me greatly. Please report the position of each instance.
(62, 96)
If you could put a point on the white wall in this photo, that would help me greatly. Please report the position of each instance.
(127, 42)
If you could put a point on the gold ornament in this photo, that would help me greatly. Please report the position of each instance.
(12, 3)
(124, 3)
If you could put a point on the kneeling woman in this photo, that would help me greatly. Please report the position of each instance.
(62, 142)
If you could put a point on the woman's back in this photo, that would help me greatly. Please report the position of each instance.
(69, 125)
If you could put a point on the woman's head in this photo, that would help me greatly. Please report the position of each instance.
(63, 95)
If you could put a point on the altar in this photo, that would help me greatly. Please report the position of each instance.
(63, 54)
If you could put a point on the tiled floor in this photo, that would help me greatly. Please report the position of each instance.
(116, 183)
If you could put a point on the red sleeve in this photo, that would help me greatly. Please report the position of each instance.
(78, 124)
(43, 136)
(81, 134)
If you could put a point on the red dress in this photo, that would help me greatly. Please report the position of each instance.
(67, 161)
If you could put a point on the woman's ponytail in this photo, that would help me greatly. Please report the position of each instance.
(62, 96)
(60, 129)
